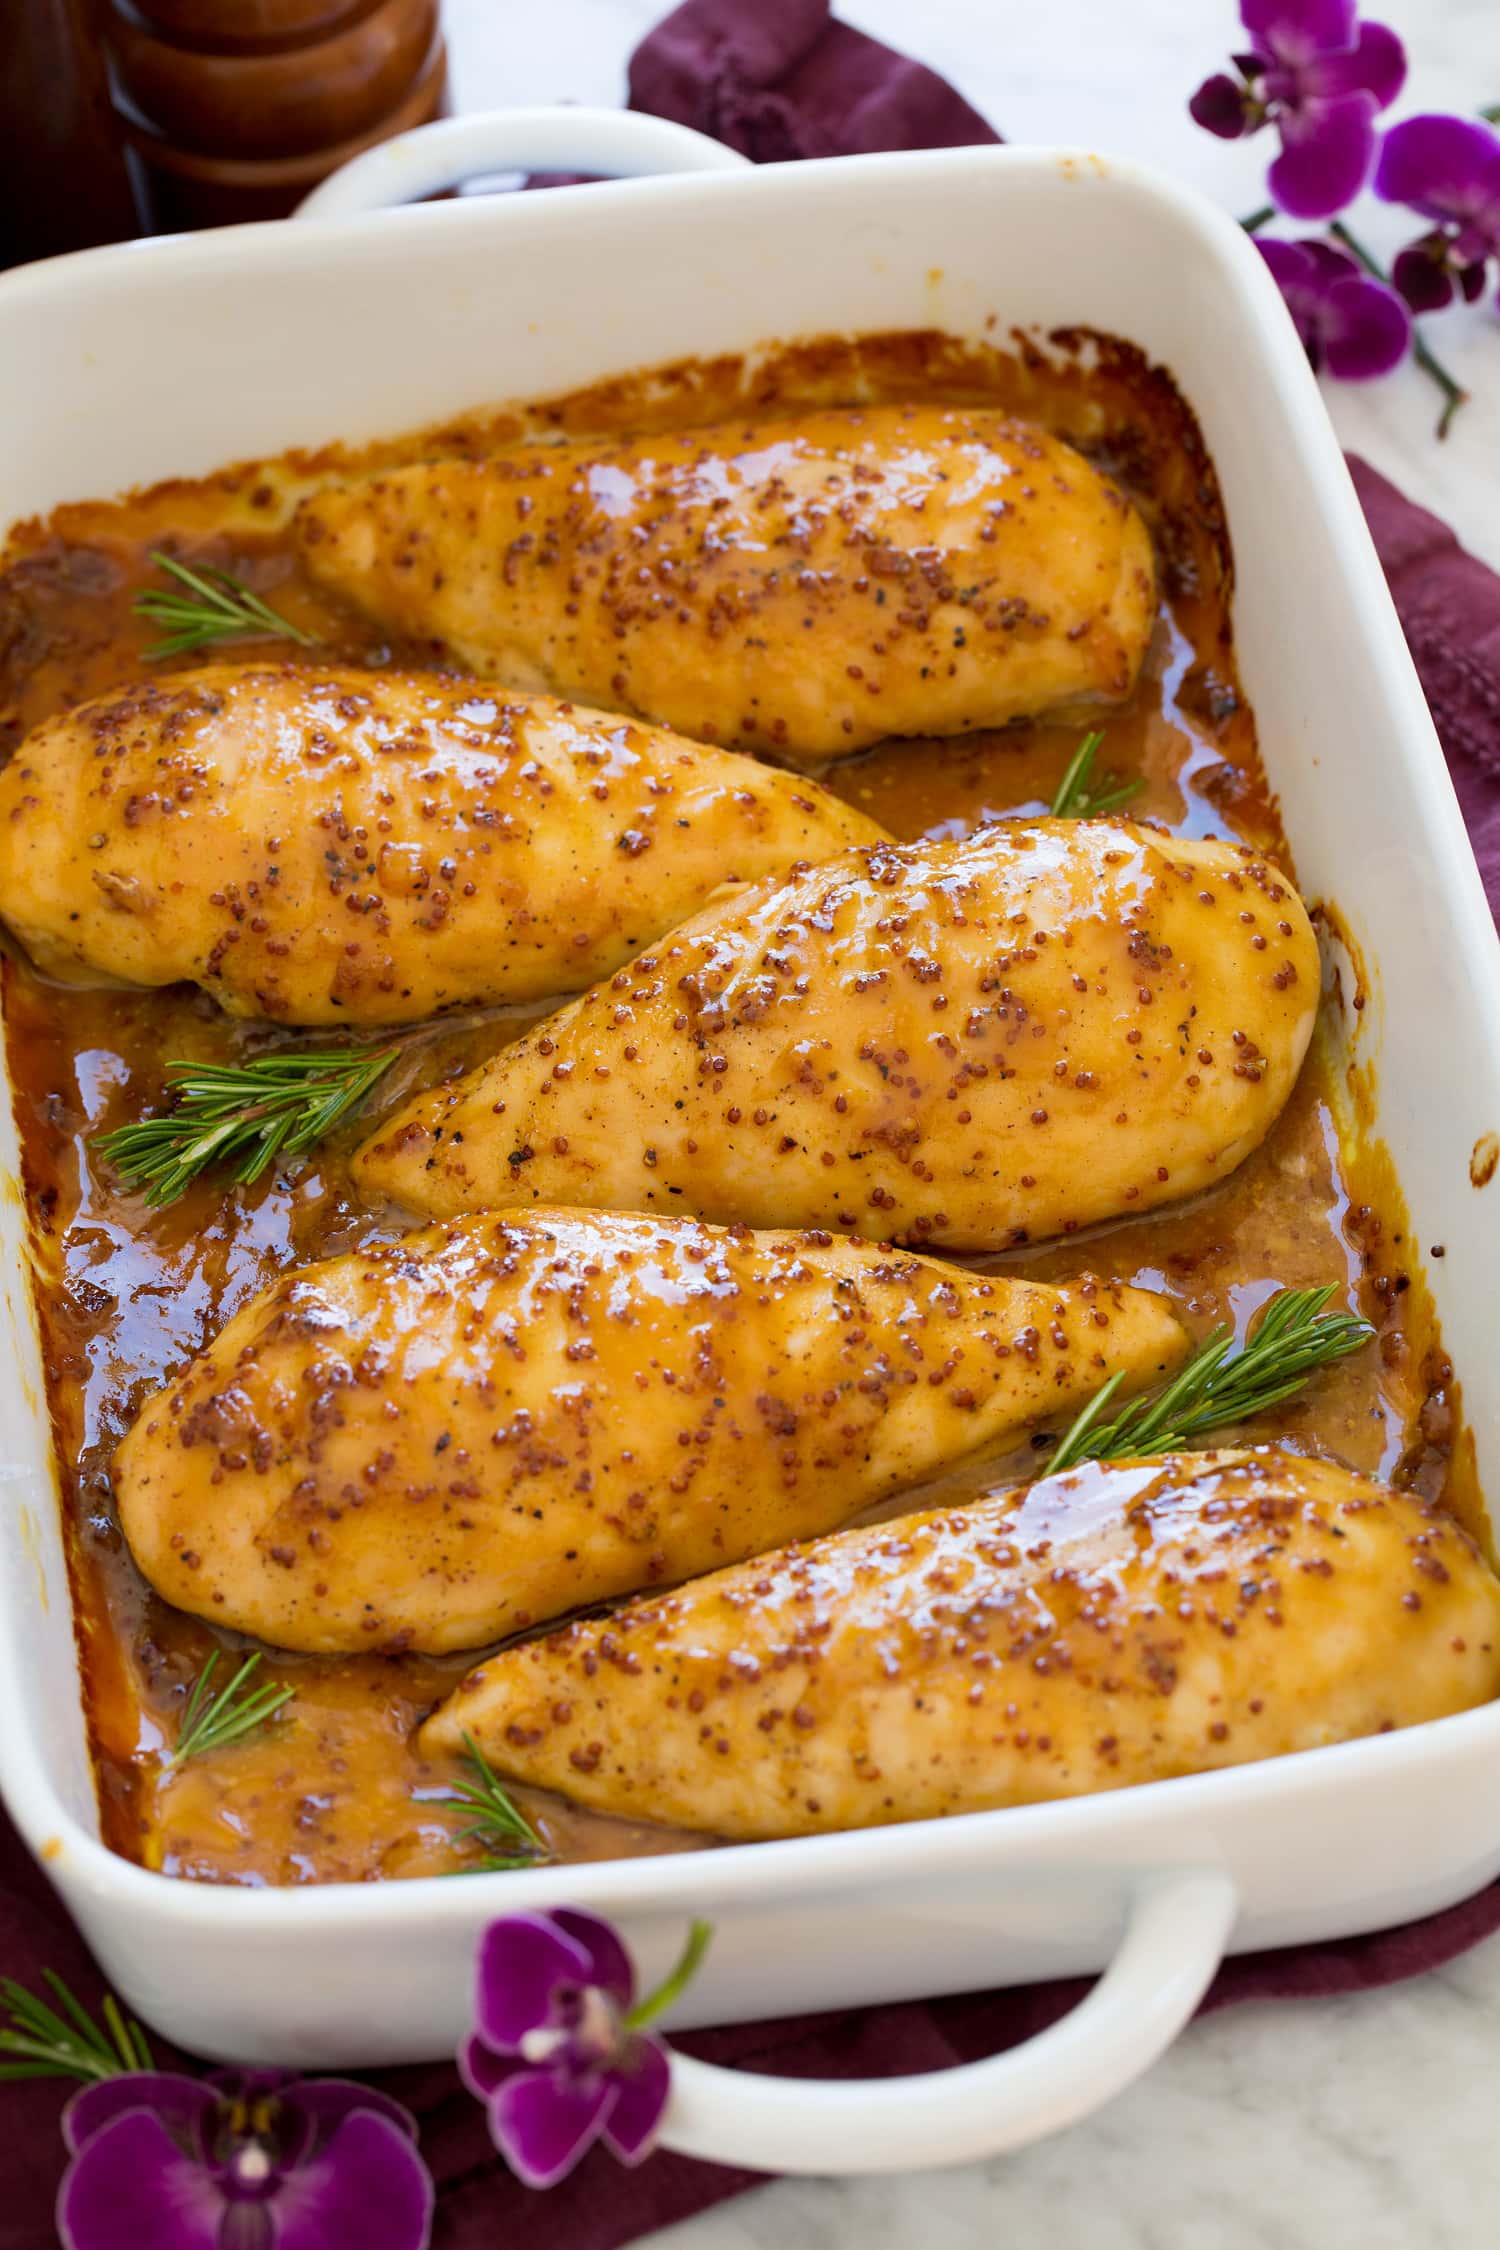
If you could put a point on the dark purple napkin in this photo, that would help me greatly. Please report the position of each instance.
(779, 79)
(1450, 612)
(782, 78)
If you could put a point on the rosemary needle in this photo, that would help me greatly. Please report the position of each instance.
(65, 2042)
(212, 1720)
(1076, 798)
(216, 606)
(497, 1822)
(246, 1114)
(1296, 1336)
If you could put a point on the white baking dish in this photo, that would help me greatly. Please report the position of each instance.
(168, 358)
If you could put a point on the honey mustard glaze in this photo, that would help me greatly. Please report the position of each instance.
(337, 1789)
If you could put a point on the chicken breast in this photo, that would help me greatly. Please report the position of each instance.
(962, 1044)
(333, 846)
(1111, 1626)
(433, 1442)
(802, 587)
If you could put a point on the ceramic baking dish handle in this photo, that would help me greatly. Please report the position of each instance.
(614, 144)
(1176, 1930)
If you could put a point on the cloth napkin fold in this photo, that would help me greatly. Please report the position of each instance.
(783, 78)
(1449, 605)
(780, 79)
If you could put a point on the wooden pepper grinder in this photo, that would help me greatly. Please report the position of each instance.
(63, 180)
(235, 109)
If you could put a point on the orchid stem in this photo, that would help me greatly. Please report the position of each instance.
(1258, 218)
(675, 1982)
(1453, 393)
(1491, 113)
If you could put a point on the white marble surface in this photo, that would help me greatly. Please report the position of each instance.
(1308, 2126)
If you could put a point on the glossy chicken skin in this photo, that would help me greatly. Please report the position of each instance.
(962, 1044)
(433, 1442)
(323, 845)
(802, 587)
(1111, 1626)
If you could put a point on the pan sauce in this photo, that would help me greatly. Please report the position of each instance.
(333, 1791)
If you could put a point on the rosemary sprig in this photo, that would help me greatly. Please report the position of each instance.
(1076, 797)
(1218, 1384)
(248, 1113)
(211, 1719)
(498, 1822)
(46, 2044)
(217, 606)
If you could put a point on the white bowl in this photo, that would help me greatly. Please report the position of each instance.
(122, 366)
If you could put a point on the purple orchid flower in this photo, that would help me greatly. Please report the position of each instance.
(1448, 168)
(260, 2162)
(1322, 78)
(559, 2054)
(1349, 323)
